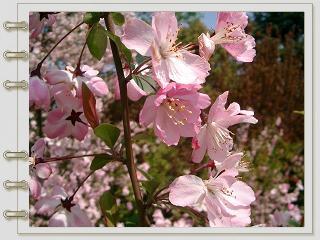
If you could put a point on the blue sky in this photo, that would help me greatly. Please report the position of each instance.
(209, 19)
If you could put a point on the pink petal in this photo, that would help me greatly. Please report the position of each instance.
(38, 148)
(98, 86)
(247, 56)
(79, 218)
(160, 69)
(231, 161)
(79, 131)
(148, 112)
(55, 125)
(43, 170)
(187, 190)
(217, 106)
(165, 129)
(244, 194)
(134, 91)
(58, 76)
(89, 72)
(39, 94)
(46, 205)
(206, 46)
(165, 26)
(187, 68)
(58, 220)
(138, 35)
(198, 153)
(237, 18)
(35, 188)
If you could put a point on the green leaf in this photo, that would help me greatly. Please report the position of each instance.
(97, 41)
(150, 186)
(108, 206)
(140, 58)
(146, 83)
(100, 161)
(118, 18)
(108, 202)
(91, 17)
(107, 133)
(121, 47)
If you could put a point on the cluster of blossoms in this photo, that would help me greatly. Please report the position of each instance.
(176, 109)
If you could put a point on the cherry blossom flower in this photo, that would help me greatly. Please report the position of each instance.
(174, 111)
(170, 61)
(67, 119)
(67, 213)
(230, 34)
(35, 188)
(206, 46)
(39, 95)
(280, 219)
(214, 136)
(135, 93)
(226, 199)
(65, 80)
(42, 170)
(39, 20)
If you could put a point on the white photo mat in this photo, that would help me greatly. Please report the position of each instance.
(24, 7)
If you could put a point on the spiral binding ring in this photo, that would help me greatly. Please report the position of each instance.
(23, 25)
(14, 155)
(8, 214)
(19, 185)
(12, 55)
(15, 84)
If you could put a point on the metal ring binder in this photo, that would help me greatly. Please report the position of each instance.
(15, 84)
(14, 155)
(12, 55)
(8, 214)
(13, 184)
(15, 25)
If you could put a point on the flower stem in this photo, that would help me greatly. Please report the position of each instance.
(36, 72)
(126, 125)
(80, 185)
(56, 159)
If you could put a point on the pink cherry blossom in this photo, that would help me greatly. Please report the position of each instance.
(206, 46)
(231, 35)
(68, 214)
(134, 92)
(64, 80)
(38, 148)
(214, 136)
(226, 199)
(170, 61)
(35, 188)
(174, 111)
(67, 119)
(39, 95)
(42, 170)
(37, 22)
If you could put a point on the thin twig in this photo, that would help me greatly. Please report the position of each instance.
(36, 72)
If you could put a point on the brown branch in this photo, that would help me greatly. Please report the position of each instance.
(126, 125)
